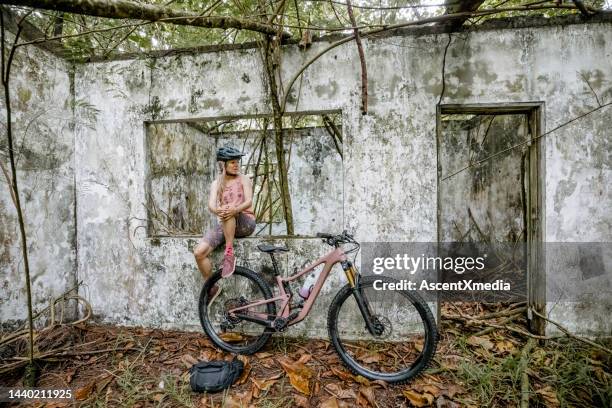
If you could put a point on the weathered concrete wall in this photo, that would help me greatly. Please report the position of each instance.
(389, 169)
(180, 163)
(43, 139)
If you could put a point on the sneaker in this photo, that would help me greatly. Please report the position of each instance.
(213, 293)
(229, 264)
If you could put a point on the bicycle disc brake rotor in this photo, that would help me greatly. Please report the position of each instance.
(232, 304)
(382, 326)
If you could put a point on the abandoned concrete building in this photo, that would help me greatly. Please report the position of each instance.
(117, 156)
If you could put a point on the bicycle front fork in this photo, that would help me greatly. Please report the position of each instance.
(362, 302)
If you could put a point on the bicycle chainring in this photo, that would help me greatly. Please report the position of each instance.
(279, 324)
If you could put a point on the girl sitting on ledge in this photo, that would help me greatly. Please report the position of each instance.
(231, 199)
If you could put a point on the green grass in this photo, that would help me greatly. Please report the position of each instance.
(568, 367)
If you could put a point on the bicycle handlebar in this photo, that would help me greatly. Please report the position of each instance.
(335, 240)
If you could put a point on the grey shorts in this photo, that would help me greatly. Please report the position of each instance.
(245, 226)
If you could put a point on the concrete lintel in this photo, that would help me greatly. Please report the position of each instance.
(246, 116)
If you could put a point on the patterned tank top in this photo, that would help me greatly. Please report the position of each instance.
(233, 194)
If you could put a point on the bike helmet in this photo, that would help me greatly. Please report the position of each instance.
(226, 153)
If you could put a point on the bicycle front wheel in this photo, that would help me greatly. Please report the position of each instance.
(405, 338)
(229, 332)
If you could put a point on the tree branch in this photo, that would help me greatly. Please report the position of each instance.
(364, 71)
(121, 9)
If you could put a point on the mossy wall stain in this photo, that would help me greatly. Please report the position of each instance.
(154, 110)
(327, 91)
(463, 78)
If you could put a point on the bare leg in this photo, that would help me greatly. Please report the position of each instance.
(229, 230)
(201, 252)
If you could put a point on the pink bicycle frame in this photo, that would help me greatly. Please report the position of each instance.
(332, 258)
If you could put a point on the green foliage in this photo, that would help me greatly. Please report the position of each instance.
(108, 37)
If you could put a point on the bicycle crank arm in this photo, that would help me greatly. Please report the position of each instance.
(365, 311)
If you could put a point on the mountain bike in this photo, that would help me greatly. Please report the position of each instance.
(379, 334)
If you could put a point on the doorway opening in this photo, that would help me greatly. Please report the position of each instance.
(490, 187)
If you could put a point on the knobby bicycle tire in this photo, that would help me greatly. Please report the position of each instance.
(429, 343)
(208, 326)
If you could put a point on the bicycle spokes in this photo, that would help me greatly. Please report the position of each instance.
(231, 317)
(390, 343)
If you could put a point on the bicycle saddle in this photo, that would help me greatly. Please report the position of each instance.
(270, 249)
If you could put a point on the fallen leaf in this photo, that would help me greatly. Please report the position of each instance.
(261, 385)
(362, 380)
(207, 355)
(299, 375)
(339, 392)
(244, 398)
(204, 342)
(343, 375)
(276, 376)
(549, 395)
(431, 389)
(452, 389)
(361, 401)
(480, 341)
(327, 374)
(300, 401)
(369, 357)
(244, 376)
(330, 403)
(504, 346)
(231, 337)
(68, 375)
(380, 383)
(231, 401)
(188, 360)
(368, 393)
(442, 402)
(84, 392)
(418, 400)
(268, 362)
(203, 403)
(305, 358)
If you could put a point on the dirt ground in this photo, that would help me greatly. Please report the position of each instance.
(139, 367)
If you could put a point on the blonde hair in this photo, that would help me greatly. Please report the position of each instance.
(220, 181)
(221, 166)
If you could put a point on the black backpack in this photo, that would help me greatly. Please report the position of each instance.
(213, 376)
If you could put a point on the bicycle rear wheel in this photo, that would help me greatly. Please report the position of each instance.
(228, 332)
(406, 338)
